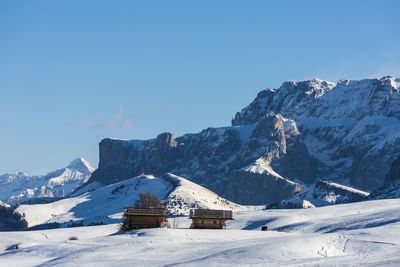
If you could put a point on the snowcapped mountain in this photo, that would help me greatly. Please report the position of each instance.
(352, 128)
(214, 158)
(19, 187)
(105, 204)
(305, 131)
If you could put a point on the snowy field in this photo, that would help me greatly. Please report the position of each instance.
(365, 233)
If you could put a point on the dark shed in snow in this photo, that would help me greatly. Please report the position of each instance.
(135, 218)
(209, 219)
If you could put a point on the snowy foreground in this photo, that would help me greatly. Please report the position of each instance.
(365, 233)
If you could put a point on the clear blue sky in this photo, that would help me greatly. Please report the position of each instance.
(74, 72)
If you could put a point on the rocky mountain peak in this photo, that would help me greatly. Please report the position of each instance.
(80, 164)
(301, 100)
(165, 141)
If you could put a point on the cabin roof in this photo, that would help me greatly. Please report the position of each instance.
(211, 214)
(145, 212)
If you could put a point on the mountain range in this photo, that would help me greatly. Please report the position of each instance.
(305, 144)
(19, 187)
(287, 139)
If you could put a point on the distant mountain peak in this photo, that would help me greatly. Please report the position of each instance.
(80, 164)
(19, 187)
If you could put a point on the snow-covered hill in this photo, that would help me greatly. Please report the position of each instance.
(364, 233)
(105, 204)
(19, 187)
(323, 193)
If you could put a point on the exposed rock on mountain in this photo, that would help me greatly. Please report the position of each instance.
(19, 187)
(294, 203)
(259, 183)
(391, 188)
(216, 158)
(347, 132)
(394, 171)
(352, 127)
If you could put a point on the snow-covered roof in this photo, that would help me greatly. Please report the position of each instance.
(211, 214)
(145, 212)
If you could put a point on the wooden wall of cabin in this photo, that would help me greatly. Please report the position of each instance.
(151, 221)
(208, 223)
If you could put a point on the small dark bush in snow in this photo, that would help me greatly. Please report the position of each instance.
(148, 200)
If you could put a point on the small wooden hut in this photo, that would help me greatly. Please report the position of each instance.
(138, 218)
(209, 219)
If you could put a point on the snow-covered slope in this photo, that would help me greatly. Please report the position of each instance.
(325, 193)
(187, 195)
(364, 233)
(105, 204)
(19, 187)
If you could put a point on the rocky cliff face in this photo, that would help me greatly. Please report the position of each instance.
(236, 162)
(391, 188)
(351, 127)
(394, 171)
(347, 132)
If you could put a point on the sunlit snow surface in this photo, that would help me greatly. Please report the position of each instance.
(105, 204)
(364, 233)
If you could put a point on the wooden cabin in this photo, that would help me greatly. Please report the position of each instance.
(135, 218)
(209, 219)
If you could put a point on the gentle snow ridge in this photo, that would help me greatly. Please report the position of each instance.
(105, 204)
